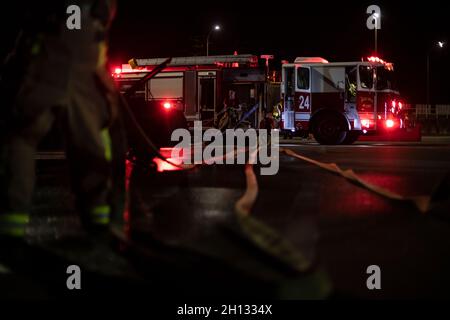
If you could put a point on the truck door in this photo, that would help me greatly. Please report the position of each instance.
(351, 90)
(288, 91)
(207, 96)
(302, 100)
(366, 98)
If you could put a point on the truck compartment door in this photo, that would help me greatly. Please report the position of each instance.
(190, 95)
(328, 87)
(207, 96)
(288, 90)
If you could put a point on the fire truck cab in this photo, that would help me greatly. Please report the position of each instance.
(337, 102)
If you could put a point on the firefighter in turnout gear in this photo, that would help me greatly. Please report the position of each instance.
(63, 79)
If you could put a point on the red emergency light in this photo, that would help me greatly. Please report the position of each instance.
(310, 60)
(389, 66)
(390, 123)
(115, 72)
(167, 105)
(376, 59)
(365, 123)
(396, 106)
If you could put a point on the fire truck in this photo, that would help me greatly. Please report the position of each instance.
(202, 87)
(340, 101)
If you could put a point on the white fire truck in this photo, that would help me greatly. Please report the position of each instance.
(339, 101)
(200, 86)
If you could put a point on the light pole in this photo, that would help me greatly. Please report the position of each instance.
(376, 16)
(440, 44)
(215, 28)
(374, 22)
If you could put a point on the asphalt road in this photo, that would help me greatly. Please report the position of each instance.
(185, 229)
(358, 228)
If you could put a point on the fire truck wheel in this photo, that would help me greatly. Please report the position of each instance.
(352, 137)
(329, 129)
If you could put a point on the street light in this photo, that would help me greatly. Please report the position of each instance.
(215, 28)
(440, 44)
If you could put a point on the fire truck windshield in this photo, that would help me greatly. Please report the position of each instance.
(386, 79)
(366, 77)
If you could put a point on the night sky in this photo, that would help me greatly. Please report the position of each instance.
(287, 29)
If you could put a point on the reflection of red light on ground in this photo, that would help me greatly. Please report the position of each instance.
(162, 165)
(389, 123)
(167, 152)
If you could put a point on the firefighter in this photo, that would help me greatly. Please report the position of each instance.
(63, 79)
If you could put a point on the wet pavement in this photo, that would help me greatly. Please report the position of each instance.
(186, 238)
